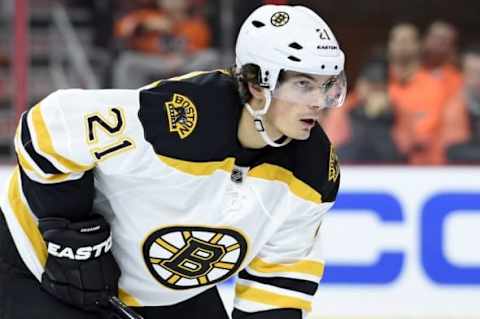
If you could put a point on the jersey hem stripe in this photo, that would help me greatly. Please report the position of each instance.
(270, 298)
(303, 286)
(128, 299)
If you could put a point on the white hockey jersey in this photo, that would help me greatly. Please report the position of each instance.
(188, 206)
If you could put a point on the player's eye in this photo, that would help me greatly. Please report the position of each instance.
(303, 84)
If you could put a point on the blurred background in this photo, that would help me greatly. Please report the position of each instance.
(401, 241)
(412, 65)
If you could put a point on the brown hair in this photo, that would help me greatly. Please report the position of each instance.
(248, 73)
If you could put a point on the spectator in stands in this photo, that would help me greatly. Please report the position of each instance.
(440, 56)
(161, 42)
(371, 119)
(462, 116)
(418, 99)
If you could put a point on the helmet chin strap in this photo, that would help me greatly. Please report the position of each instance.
(258, 120)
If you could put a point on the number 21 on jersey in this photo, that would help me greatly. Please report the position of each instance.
(113, 126)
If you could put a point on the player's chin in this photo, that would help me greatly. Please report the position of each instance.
(299, 135)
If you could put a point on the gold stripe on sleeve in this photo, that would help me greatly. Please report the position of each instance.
(45, 143)
(270, 298)
(28, 167)
(23, 161)
(309, 267)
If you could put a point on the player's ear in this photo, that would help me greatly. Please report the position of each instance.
(256, 91)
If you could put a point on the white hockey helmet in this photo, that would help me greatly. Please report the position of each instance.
(290, 38)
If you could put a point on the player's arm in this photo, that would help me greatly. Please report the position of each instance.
(283, 278)
(55, 176)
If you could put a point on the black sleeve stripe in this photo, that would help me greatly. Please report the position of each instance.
(268, 314)
(41, 161)
(303, 286)
(70, 199)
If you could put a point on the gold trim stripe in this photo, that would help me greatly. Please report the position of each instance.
(264, 171)
(296, 186)
(309, 267)
(21, 157)
(197, 73)
(45, 143)
(271, 298)
(23, 215)
(25, 164)
(128, 299)
(29, 166)
(23, 161)
(184, 77)
(198, 168)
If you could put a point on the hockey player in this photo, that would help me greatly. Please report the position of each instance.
(158, 194)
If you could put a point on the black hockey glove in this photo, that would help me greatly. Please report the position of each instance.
(80, 269)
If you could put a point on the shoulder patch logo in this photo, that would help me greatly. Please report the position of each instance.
(185, 257)
(279, 19)
(182, 115)
(333, 166)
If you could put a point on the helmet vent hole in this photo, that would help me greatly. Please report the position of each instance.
(323, 66)
(258, 24)
(294, 58)
(336, 67)
(296, 46)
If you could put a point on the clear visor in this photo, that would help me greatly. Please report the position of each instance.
(311, 89)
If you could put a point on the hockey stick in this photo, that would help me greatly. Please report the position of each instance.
(122, 310)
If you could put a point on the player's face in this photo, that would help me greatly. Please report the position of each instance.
(297, 103)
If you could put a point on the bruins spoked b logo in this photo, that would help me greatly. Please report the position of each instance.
(279, 19)
(182, 115)
(183, 257)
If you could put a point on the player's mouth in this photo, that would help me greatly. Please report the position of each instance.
(308, 122)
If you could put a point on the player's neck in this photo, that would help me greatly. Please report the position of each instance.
(248, 135)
